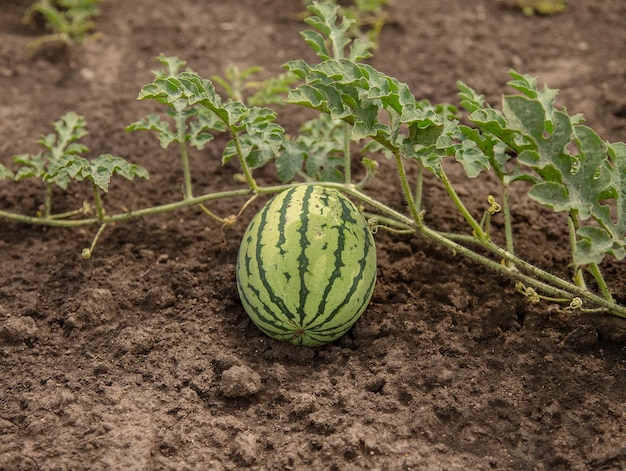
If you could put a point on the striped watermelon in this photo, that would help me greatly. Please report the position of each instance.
(306, 267)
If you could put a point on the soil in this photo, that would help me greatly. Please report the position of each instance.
(143, 358)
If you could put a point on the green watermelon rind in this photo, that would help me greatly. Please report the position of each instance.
(306, 267)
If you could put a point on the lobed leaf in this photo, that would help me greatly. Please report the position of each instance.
(334, 35)
(102, 168)
(617, 156)
(289, 161)
(527, 85)
(153, 122)
(262, 137)
(470, 100)
(594, 244)
(6, 173)
(172, 64)
(66, 168)
(325, 20)
(32, 165)
(201, 129)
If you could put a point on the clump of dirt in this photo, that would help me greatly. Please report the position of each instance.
(143, 358)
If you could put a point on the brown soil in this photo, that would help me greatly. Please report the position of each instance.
(143, 358)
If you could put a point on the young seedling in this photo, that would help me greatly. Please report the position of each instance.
(367, 18)
(191, 124)
(46, 165)
(198, 112)
(63, 161)
(541, 7)
(238, 86)
(69, 20)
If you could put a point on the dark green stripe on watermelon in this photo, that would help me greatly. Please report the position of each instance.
(307, 266)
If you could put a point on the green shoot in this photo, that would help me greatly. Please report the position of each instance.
(367, 19)
(198, 111)
(69, 20)
(541, 7)
(6, 173)
(238, 86)
(191, 124)
(62, 162)
(58, 147)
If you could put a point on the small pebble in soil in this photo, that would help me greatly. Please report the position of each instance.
(15, 330)
(245, 448)
(240, 381)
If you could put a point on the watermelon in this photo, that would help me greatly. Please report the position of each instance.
(306, 266)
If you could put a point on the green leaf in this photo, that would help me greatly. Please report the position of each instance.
(61, 148)
(317, 42)
(470, 100)
(324, 19)
(318, 147)
(527, 85)
(472, 158)
(65, 169)
(290, 161)
(617, 155)
(153, 122)
(584, 175)
(493, 122)
(298, 67)
(162, 90)
(32, 165)
(172, 64)
(102, 168)
(201, 128)
(551, 194)
(6, 173)
(360, 50)
(262, 138)
(307, 95)
(69, 20)
(594, 244)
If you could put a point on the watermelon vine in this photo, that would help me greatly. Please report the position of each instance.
(569, 167)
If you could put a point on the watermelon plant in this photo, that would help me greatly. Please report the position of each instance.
(63, 161)
(542, 7)
(70, 21)
(362, 111)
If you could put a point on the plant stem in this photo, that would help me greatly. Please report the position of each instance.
(100, 213)
(553, 284)
(184, 157)
(508, 225)
(594, 269)
(419, 187)
(127, 215)
(188, 191)
(458, 248)
(572, 227)
(478, 231)
(242, 161)
(408, 194)
(347, 161)
(86, 209)
(573, 289)
(48, 201)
